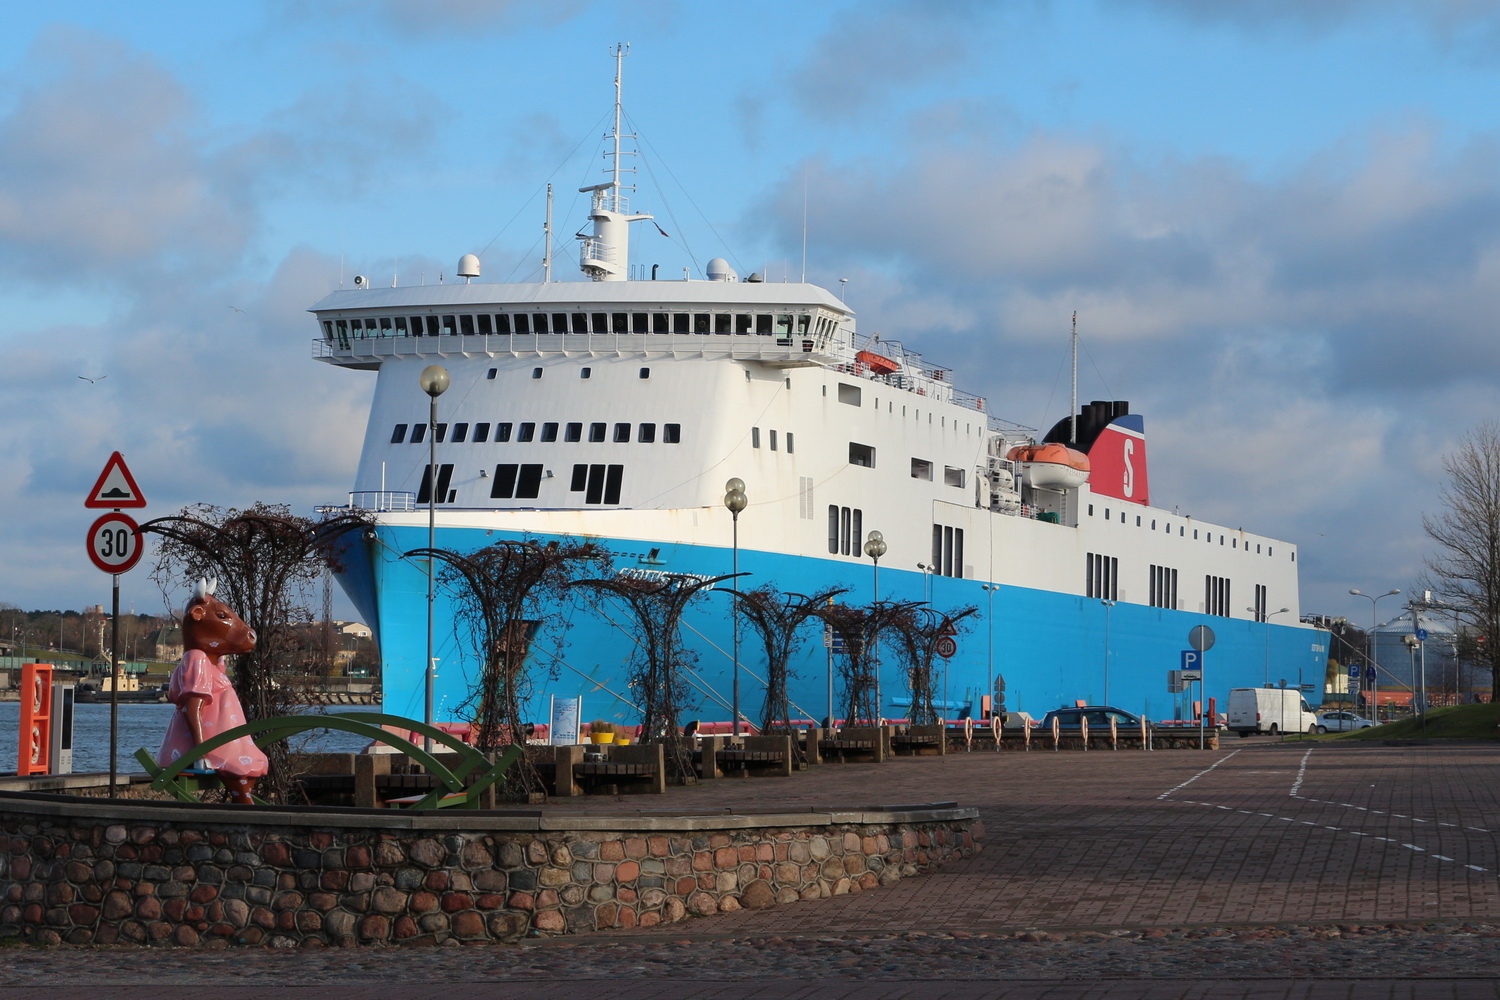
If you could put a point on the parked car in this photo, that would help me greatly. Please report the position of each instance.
(1097, 715)
(1342, 722)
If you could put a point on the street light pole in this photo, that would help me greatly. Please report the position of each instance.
(434, 382)
(735, 500)
(1108, 606)
(1266, 619)
(1370, 640)
(875, 547)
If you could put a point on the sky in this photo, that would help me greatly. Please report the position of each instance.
(1277, 221)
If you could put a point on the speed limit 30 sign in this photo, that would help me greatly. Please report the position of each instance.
(114, 542)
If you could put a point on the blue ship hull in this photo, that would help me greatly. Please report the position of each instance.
(1035, 650)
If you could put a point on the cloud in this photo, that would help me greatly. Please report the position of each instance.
(1449, 21)
(875, 49)
(103, 168)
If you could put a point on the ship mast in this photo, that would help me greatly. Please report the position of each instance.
(1073, 420)
(605, 255)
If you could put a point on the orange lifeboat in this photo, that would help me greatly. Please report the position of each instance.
(1051, 466)
(877, 363)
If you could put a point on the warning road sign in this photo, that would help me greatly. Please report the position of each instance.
(116, 488)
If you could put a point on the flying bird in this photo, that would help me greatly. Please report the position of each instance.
(91, 381)
(237, 309)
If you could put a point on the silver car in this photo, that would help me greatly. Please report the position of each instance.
(1342, 722)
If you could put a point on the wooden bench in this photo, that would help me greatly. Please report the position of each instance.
(637, 768)
(863, 742)
(919, 740)
(756, 756)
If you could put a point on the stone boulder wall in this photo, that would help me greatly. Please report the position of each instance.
(82, 871)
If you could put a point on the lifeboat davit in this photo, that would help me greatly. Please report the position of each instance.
(1051, 466)
(877, 363)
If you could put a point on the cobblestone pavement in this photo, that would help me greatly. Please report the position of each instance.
(1258, 870)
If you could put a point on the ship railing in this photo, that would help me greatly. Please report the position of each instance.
(383, 500)
(785, 351)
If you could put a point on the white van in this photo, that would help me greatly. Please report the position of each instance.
(1270, 710)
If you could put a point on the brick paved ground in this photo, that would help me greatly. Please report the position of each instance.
(1260, 870)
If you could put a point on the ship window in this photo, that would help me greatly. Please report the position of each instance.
(328, 329)
(862, 455)
(504, 486)
(573, 432)
(1091, 510)
(449, 326)
(701, 323)
(773, 440)
(953, 477)
(385, 326)
(681, 322)
(1106, 514)
(492, 373)
(622, 433)
(539, 323)
(640, 322)
(849, 394)
(536, 373)
(559, 322)
(486, 323)
(742, 324)
(1163, 587)
(1195, 534)
(418, 434)
(445, 476)
(1102, 577)
(645, 373)
(585, 373)
(763, 323)
(755, 437)
(529, 482)
(580, 322)
(789, 448)
(722, 323)
(526, 432)
(659, 322)
(600, 322)
(619, 322)
(502, 323)
(921, 469)
(671, 433)
(460, 433)
(580, 478)
(481, 433)
(833, 529)
(522, 322)
(357, 328)
(646, 433)
(549, 431)
(596, 432)
(1153, 524)
(1216, 595)
(466, 324)
(399, 434)
(1138, 520)
(502, 431)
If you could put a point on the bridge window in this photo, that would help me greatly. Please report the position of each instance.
(399, 434)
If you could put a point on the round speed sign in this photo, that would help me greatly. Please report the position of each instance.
(114, 542)
(947, 646)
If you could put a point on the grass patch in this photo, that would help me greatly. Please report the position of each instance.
(1458, 722)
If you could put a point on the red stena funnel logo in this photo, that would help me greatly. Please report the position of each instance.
(1117, 461)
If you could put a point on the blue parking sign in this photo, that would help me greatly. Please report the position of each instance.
(1354, 671)
(1370, 672)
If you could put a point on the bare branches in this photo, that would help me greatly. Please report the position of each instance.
(778, 618)
(659, 660)
(1465, 573)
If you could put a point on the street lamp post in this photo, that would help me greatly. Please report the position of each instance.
(434, 382)
(1266, 620)
(875, 547)
(1370, 639)
(989, 619)
(735, 500)
(1108, 607)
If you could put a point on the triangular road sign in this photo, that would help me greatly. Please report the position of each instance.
(116, 487)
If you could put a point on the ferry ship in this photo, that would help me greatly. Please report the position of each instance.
(616, 406)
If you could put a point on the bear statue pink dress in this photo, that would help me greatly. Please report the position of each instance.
(207, 704)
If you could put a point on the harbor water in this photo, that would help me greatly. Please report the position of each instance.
(140, 726)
